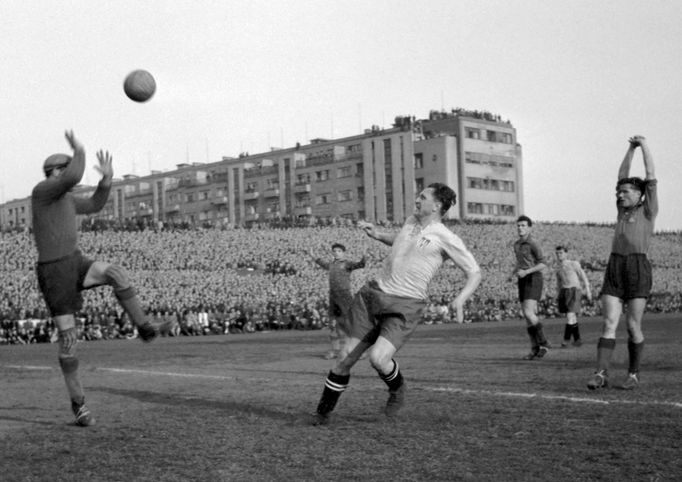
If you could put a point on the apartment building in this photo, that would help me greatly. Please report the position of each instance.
(374, 175)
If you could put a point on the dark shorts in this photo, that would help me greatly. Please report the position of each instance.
(375, 313)
(530, 287)
(627, 277)
(569, 300)
(61, 283)
(339, 307)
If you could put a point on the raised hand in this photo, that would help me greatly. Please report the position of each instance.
(105, 168)
(73, 142)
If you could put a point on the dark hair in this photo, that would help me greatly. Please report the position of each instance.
(444, 195)
(637, 182)
(561, 248)
(526, 219)
(338, 245)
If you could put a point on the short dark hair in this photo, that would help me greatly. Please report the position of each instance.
(338, 245)
(561, 248)
(637, 182)
(444, 195)
(526, 219)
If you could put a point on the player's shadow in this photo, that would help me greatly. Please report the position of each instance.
(189, 402)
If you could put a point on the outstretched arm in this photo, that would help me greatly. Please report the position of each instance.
(101, 195)
(648, 159)
(320, 262)
(624, 169)
(371, 231)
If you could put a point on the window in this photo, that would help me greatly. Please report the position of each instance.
(344, 172)
(419, 160)
(322, 175)
(203, 195)
(251, 186)
(473, 133)
(419, 185)
(345, 196)
(303, 178)
(272, 183)
(322, 199)
(507, 210)
(491, 136)
(190, 197)
(475, 208)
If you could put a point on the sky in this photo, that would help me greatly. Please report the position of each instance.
(575, 78)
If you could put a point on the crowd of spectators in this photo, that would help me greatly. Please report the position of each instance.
(227, 281)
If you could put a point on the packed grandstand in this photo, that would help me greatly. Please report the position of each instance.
(203, 281)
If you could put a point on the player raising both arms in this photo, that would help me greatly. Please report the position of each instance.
(340, 294)
(627, 280)
(62, 271)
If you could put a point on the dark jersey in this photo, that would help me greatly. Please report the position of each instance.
(339, 274)
(54, 209)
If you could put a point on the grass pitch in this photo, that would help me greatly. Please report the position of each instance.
(238, 407)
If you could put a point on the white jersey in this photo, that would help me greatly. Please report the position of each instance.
(416, 255)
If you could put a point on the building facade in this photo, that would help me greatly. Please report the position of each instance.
(375, 176)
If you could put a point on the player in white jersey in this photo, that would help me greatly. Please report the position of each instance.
(569, 275)
(386, 311)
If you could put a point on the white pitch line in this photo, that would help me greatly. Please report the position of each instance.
(464, 391)
(168, 374)
(28, 367)
(551, 397)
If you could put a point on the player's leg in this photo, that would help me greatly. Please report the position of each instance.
(635, 313)
(397, 325)
(338, 377)
(115, 276)
(528, 312)
(612, 307)
(334, 339)
(572, 297)
(573, 328)
(68, 362)
(538, 342)
(381, 357)
(568, 331)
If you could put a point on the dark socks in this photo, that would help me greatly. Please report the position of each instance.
(532, 334)
(334, 386)
(576, 332)
(393, 380)
(540, 335)
(568, 331)
(605, 348)
(635, 353)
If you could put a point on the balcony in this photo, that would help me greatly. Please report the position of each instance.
(219, 201)
(302, 187)
(271, 193)
(251, 217)
(251, 195)
(172, 208)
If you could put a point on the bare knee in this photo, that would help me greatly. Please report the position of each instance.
(609, 327)
(117, 278)
(380, 360)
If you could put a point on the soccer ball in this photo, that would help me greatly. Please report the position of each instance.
(139, 86)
